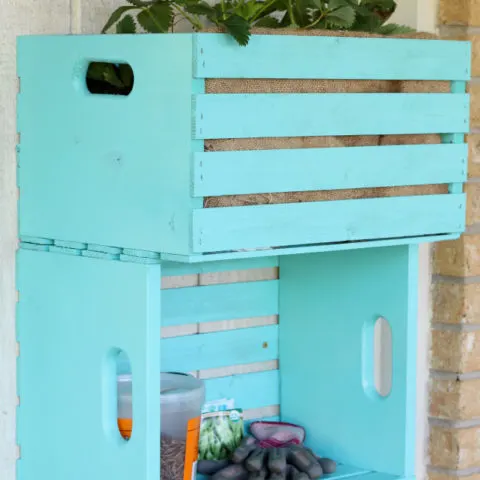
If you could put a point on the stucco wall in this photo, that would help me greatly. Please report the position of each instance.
(87, 16)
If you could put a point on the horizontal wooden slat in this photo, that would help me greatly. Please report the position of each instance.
(170, 269)
(213, 350)
(311, 248)
(250, 390)
(342, 472)
(231, 228)
(181, 306)
(267, 56)
(297, 115)
(258, 171)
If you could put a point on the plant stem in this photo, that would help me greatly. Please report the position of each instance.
(266, 6)
(290, 13)
(319, 19)
(153, 19)
(195, 22)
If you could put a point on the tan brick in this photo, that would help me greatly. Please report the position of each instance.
(454, 12)
(455, 303)
(454, 448)
(458, 258)
(475, 39)
(474, 155)
(444, 476)
(459, 12)
(455, 399)
(457, 352)
(473, 203)
(474, 90)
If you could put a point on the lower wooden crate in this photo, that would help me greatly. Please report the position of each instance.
(298, 347)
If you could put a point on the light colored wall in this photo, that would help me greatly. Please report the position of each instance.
(87, 16)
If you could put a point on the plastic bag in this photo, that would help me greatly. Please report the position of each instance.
(220, 434)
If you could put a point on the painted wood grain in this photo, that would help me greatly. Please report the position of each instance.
(296, 115)
(124, 207)
(219, 302)
(120, 303)
(313, 248)
(212, 350)
(251, 390)
(171, 269)
(259, 171)
(20, 17)
(341, 297)
(218, 56)
(318, 222)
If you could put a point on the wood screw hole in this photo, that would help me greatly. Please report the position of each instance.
(265, 345)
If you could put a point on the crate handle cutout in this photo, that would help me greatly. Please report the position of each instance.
(106, 78)
(114, 363)
(377, 357)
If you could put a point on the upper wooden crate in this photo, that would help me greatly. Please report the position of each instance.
(131, 171)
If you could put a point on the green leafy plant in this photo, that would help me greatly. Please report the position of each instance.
(238, 18)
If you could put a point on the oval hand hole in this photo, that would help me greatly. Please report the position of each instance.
(124, 395)
(382, 356)
(105, 78)
(117, 396)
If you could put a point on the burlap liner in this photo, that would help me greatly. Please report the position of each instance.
(221, 85)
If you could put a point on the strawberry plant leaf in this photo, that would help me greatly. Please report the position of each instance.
(115, 17)
(394, 29)
(343, 17)
(126, 25)
(198, 8)
(268, 22)
(156, 18)
(334, 4)
(238, 16)
(302, 11)
(125, 73)
(238, 27)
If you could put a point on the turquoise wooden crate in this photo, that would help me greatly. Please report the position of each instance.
(131, 172)
(75, 313)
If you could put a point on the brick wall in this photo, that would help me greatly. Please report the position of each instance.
(454, 449)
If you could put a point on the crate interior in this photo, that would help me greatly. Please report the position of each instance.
(288, 338)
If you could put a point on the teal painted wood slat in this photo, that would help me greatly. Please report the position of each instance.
(65, 250)
(345, 471)
(456, 138)
(296, 115)
(34, 246)
(171, 269)
(100, 255)
(181, 306)
(104, 249)
(259, 171)
(37, 240)
(220, 349)
(339, 299)
(218, 56)
(69, 244)
(119, 186)
(205, 259)
(74, 313)
(230, 228)
(342, 472)
(250, 390)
